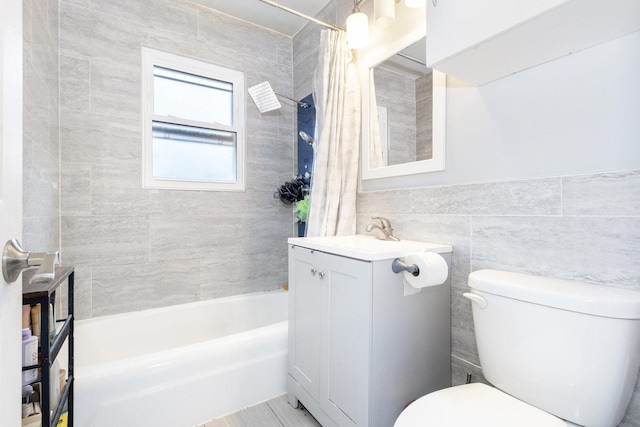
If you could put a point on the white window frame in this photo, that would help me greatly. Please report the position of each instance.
(151, 58)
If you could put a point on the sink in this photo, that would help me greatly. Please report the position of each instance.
(367, 248)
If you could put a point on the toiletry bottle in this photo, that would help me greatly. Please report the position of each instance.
(29, 356)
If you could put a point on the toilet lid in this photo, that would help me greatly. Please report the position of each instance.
(477, 405)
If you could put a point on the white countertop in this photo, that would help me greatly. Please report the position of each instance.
(367, 248)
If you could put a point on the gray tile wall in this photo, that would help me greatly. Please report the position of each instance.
(584, 227)
(396, 91)
(306, 43)
(424, 116)
(41, 212)
(136, 249)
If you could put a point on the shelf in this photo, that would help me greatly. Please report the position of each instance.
(40, 290)
(45, 294)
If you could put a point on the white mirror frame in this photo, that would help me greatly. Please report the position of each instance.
(437, 162)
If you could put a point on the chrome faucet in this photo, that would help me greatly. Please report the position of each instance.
(384, 227)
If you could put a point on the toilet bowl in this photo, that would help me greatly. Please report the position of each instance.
(542, 342)
(474, 405)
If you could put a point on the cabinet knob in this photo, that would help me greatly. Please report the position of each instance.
(321, 274)
(313, 271)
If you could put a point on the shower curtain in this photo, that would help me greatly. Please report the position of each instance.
(334, 183)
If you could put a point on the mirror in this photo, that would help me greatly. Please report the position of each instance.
(404, 107)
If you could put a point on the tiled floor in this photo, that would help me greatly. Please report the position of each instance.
(273, 413)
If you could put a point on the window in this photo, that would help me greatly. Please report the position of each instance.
(193, 124)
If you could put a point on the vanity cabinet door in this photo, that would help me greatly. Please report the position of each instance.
(305, 319)
(330, 333)
(346, 336)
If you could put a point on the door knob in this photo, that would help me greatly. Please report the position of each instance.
(15, 259)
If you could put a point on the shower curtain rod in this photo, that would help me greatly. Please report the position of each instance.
(301, 15)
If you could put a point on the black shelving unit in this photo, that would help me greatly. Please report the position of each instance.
(45, 294)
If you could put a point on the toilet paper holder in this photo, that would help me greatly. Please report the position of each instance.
(398, 266)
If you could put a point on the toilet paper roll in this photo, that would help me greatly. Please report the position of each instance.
(433, 271)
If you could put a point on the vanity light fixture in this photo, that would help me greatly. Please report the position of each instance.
(357, 27)
(415, 3)
(384, 12)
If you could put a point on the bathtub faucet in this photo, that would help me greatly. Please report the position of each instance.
(384, 227)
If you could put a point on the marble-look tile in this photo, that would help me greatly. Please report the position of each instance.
(591, 249)
(390, 84)
(27, 20)
(607, 194)
(84, 3)
(40, 233)
(212, 228)
(303, 75)
(40, 183)
(285, 51)
(384, 203)
(262, 147)
(123, 288)
(191, 46)
(248, 38)
(529, 197)
(105, 240)
(307, 39)
(36, 124)
(117, 190)
(44, 43)
(99, 139)
(175, 237)
(115, 89)
(36, 91)
(88, 34)
(75, 189)
(82, 295)
(168, 15)
(459, 370)
(242, 268)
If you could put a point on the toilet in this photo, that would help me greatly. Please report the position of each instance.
(558, 353)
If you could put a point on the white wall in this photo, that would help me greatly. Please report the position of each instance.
(577, 114)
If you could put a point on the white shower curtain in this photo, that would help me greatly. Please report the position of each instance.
(335, 172)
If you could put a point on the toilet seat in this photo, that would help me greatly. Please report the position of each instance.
(477, 405)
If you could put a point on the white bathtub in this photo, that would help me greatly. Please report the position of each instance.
(181, 365)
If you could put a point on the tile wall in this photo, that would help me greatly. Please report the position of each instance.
(134, 248)
(581, 227)
(397, 92)
(41, 212)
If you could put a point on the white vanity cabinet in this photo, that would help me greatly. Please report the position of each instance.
(481, 41)
(359, 350)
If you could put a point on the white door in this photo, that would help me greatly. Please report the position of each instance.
(10, 205)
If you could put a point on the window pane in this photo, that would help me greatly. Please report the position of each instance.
(192, 97)
(185, 152)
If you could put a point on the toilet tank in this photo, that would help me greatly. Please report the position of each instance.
(568, 348)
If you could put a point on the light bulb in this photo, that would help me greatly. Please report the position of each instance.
(357, 30)
(384, 12)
